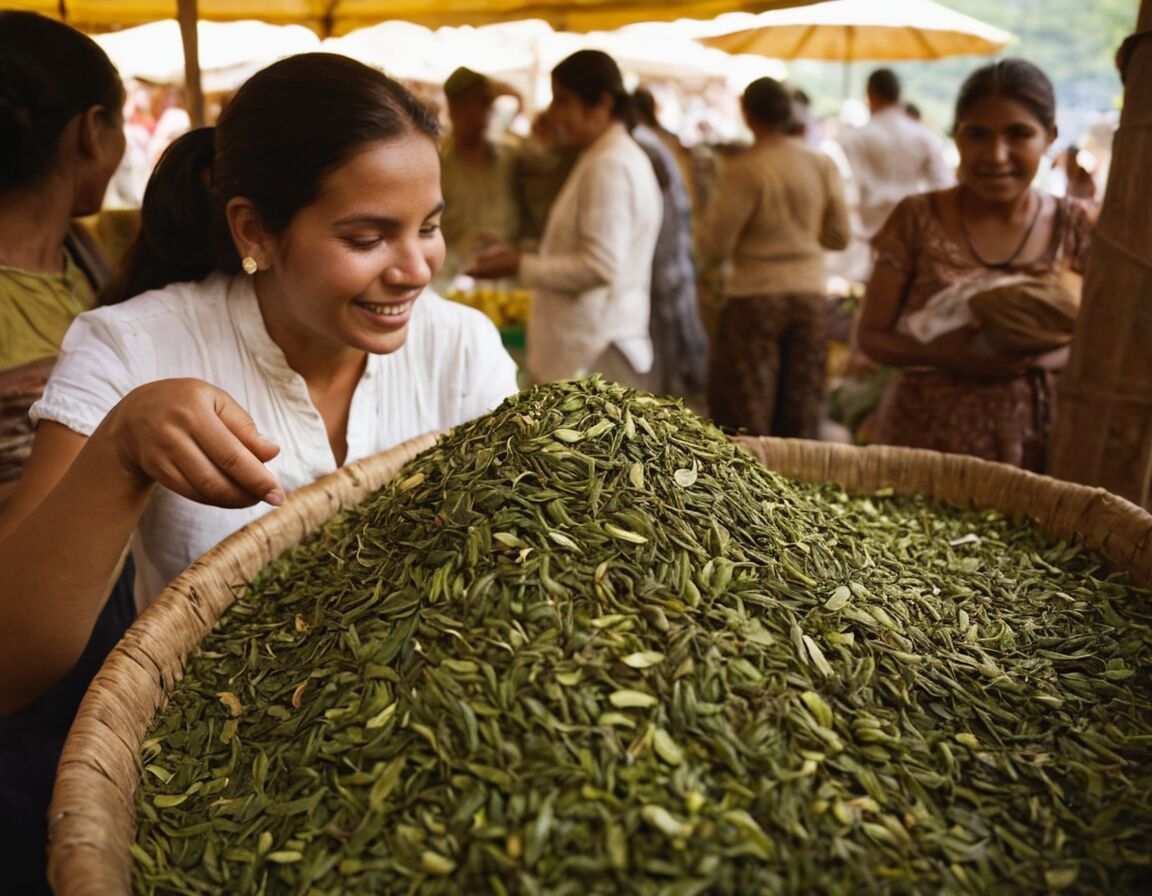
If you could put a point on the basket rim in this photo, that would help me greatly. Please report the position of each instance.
(92, 817)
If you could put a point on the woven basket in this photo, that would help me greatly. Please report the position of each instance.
(93, 813)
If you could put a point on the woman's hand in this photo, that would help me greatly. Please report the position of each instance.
(1057, 359)
(961, 351)
(494, 261)
(194, 439)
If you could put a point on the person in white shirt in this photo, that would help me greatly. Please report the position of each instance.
(301, 337)
(591, 278)
(892, 156)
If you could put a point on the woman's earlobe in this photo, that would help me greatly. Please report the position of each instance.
(247, 230)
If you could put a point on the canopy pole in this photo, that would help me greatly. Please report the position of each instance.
(188, 16)
(846, 85)
(1103, 430)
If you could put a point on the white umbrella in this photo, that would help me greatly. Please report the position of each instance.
(230, 52)
(850, 30)
(403, 50)
(522, 53)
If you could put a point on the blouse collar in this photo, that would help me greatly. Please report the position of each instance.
(244, 308)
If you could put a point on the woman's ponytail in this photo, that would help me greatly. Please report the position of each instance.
(180, 236)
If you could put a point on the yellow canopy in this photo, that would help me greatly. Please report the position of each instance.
(336, 17)
(333, 17)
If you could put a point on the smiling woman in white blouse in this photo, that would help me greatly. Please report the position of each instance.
(299, 337)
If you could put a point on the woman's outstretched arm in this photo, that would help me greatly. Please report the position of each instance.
(65, 530)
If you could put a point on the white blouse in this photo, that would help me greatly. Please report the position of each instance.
(451, 368)
(591, 279)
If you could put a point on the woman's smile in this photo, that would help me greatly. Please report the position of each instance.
(352, 265)
(393, 313)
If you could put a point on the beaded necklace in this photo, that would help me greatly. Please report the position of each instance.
(1007, 262)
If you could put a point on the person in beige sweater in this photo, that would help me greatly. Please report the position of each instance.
(777, 207)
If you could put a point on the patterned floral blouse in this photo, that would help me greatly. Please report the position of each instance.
(913, 241)
(1003, 419)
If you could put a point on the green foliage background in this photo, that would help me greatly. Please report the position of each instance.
(1074, 41)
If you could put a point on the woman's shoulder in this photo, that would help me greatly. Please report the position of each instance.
(912, 215)
(913, 237)
(782, 157)
(921, 206)
(811, 159)
(180, 315)
(620, 152)
(191, 298)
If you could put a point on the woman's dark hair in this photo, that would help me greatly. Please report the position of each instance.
(592, 73)
(287, 127)
(644, 107)
(768, 102)
(1016, 79)
(170, 245)
(49, 73)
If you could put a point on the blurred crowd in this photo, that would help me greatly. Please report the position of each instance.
(503, 169)
(504, 164)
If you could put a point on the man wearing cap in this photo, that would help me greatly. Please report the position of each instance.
(476, 174)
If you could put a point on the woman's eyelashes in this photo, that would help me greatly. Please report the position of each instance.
(366, 243)
(363, 244)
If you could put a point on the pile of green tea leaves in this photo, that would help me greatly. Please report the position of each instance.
(587, 645)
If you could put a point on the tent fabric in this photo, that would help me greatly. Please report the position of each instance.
(335, 17)
(230, 52)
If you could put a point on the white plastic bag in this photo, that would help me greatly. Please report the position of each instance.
(948, 309)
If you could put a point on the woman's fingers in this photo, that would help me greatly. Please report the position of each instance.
(195, 440)
(226, 464)
(244, 427)
(496, 260)
(189, 472)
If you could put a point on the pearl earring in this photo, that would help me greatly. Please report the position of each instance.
(249, 264)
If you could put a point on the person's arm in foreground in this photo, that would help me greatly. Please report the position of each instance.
(65, 530)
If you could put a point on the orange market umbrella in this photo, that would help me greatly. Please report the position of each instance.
(848, 30)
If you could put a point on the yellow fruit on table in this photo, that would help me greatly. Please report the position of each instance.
(505, 307)
(516, 303)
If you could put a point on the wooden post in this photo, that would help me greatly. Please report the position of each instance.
(1103, 431)
(188, 16)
